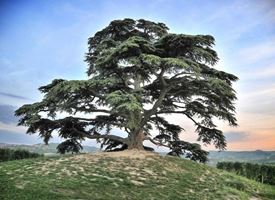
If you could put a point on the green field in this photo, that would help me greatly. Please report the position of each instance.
(260, 157)
(43, 148)
(130, 175)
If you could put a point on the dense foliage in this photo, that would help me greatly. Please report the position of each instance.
(138, 72)
(258, 172)
(11, 154)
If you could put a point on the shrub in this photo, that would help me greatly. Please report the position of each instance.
(261, 173)
(11, 154)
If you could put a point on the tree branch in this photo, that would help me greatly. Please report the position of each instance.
(96, 94)
(178, 105)
(111, 137)
(157, 143)
(180, 74)
(165, 89)
(152, 111)
(168, 112)
(161, 77)
(100, 110)
(196, 123)
(93, 119)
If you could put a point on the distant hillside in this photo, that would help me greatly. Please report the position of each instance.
(131, 175)
(264, 157)
(42, 148)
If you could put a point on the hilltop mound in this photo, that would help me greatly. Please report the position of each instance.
(123, 175)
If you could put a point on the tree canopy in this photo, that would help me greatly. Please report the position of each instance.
(138, 72)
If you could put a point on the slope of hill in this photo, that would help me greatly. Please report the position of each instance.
(261, 157)
(42, 148)
(123, 175)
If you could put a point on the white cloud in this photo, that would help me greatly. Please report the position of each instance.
(12, 128)
(242, 17)
(257, 53)
(265, 72)
(265, 92)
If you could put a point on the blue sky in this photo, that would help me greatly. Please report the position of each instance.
(43, 40)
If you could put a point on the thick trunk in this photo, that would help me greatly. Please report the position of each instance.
(136, 136)
(136, 140)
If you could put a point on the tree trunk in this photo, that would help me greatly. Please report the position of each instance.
(136, 140)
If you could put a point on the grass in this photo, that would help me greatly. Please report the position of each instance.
(99, 176)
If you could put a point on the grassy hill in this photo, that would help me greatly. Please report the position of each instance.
(123, 175)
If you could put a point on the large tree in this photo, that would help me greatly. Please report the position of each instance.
(137, 74)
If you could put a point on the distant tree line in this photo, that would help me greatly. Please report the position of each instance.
(257, 172)
(16, 154)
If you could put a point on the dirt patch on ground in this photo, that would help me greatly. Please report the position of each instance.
(137, 183)
(124, 154)
(130, 161)
(254, 198)
(21, 184)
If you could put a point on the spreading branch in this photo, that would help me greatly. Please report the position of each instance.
(100, 136)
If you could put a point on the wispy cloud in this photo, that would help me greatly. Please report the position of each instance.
(257, 53)
(12, 128)
(254, 140)
(7, 136)
(5, 63)
(6, 94)
(257, 100)
(265, 72)
(260, 92)
(234, 136)
(243, 11)
(7, 114)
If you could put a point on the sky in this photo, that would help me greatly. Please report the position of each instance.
(45, 40)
